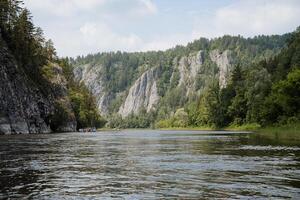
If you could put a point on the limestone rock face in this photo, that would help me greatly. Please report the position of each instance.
(189, 66)
(143, 94)
(224, 63)
(91, 77)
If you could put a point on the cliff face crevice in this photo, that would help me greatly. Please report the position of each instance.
(142, 95)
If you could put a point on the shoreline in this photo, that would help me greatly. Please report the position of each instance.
(291, 131)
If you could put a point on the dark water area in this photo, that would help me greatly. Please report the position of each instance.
(146, 164)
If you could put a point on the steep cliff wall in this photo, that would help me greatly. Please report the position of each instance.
(188, 67)
(24, 108)
(142, 95)
(224, 63)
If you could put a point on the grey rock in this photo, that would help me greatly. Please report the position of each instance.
(142, 95)
(224, 63)
(91, 77)
(188, 67)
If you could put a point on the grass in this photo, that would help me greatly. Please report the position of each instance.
(244, 127)
(201, 128)
(285, 132)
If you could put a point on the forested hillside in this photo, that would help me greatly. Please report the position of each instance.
(220, 82)
(37, 94)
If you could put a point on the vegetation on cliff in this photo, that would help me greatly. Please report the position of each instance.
(37, 60)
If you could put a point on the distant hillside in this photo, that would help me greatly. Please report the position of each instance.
(153, 86)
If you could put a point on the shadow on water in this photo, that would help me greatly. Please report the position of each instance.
(140, 164)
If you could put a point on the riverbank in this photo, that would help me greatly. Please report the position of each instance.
(287, 132)
(284, 132)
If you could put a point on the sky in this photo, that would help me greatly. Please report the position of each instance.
(80, 27)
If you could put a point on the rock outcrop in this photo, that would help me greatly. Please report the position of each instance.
(60, 97)
(24, 108)
(91, 77)
(142, 95)
(188, 67)
(224, 63)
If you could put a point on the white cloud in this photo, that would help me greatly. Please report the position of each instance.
(63, 7)
(148, 7)
(100, 36)
(252, 17)
(89, 26)
(88, 29)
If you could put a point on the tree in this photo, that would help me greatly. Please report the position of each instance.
(50, 50)
(238, 108)
(284, 100)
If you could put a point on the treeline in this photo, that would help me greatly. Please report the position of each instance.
(35, 57)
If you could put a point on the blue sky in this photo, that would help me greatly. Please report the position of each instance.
(79, 27)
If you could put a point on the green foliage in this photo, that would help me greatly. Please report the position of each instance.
(244, 127)
(179, 119)
(141, 120)
(283, 104)
(59, 116)
(25, 42)
(266, 93)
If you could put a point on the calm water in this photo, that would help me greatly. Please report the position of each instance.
(148, 165)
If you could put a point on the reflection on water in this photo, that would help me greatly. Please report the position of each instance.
(148, 164)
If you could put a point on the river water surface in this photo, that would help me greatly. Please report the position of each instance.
(146, 164)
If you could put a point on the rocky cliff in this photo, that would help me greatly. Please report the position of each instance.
(224, 63)
(24, 108)
(92, 77)
(188, 67)
(142, 95)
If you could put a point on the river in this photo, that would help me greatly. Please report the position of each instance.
(148, 164)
